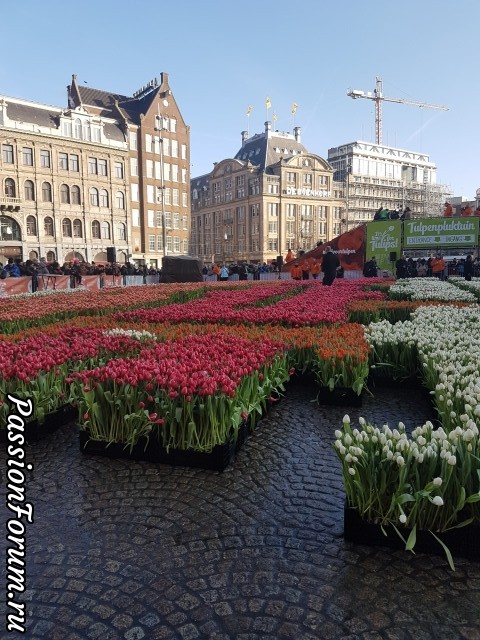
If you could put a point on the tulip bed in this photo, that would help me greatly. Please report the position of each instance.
(136, 362)
(429, 480)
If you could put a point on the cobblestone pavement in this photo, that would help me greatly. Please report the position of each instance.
(131, 550)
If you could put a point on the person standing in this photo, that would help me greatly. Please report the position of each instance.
(401, 267)
(296, 271)
(438, 266)
(223, 275)
(448, 211)
(315, 269)
(468, 268)
(330, 263)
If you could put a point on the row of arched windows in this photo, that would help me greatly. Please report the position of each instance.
(68, 195)
(100, 230)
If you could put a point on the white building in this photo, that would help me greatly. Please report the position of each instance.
(377, 175)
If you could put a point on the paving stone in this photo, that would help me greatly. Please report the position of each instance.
(122, 548)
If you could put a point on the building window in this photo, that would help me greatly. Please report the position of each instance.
(185, 223)
(29, 190)
(169, 243)
(66, 228)
(45, 158)
(272, 208)
(48, 226)
(10, 190)
(185, 247)
(31, 226)
(168, 195)
(119, 172)
(168, 220)
(133, 140)
(121, 231)
(120, 200)
(173, 125)
(184, 199)
(176, 244)
(63, 161)
(94, 197)
(46, 192)
(103, 198)
(184, 176)
(291, 177)
(75, 195)
(151, 243)
(105, 230)
(73, 162)
(93, 165)
(184, 151)
(176, 221)
(175, 197)
(307, 179)
(77, 229)
(96, 229)
(64, 194)
(159, 243)
(78, 128)
(7, 153)
(102, 167)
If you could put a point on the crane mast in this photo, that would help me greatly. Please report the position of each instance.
(378, 98)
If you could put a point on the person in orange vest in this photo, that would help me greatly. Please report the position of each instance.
(438, 266)
(315, 269)
(448, 211)
(305, 270)
(466, 211)
(289, 257)
(296, 271)
(216, 271)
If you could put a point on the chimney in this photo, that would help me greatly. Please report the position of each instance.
(268, 126)
(297, 131)
(244, 137)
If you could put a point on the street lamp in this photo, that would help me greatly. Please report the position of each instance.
(161, 189)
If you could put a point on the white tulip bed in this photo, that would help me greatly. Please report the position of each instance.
(428, 480)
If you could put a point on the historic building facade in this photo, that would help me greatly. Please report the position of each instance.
(274, 195)
(377, 176)
(109, 171)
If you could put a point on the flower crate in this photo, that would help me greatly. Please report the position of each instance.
(217, 460)
(464, 542)
(341, 396)
(35, 430)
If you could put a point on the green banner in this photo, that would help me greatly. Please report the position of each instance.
(383, 240)
(433, 233)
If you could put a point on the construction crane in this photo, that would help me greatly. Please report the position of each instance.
(378, 97)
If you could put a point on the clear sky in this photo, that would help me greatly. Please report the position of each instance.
(223, 56)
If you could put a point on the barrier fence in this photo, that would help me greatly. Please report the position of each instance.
(31, 284)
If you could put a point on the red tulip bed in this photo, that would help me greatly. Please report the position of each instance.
(163, 369)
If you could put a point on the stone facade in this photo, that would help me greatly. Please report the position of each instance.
(108, 171)
(272, 196)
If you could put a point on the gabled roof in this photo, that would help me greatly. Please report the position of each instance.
(42, 117)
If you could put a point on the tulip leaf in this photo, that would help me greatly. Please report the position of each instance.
(447, 551)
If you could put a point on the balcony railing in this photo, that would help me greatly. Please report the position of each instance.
(9, 204)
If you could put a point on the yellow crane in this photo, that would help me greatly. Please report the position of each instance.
(378, 97)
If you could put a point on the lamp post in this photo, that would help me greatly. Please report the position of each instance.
(161, 188)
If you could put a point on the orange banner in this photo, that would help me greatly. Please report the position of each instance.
(53, 282)
(14, 286)
(91, 282)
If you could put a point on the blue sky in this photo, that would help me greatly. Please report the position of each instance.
(223, 56)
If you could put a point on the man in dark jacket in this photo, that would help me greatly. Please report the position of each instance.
(330, 263)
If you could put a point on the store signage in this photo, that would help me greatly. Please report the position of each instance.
(441, 232)
(316, 193)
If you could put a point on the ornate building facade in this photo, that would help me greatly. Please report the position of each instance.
(109, 171)
(274, 195)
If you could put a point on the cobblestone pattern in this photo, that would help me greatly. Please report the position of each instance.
(131, 550)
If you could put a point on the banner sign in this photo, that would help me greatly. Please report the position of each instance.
(46, 282)
(433, 233)
(383, 240)
(349, 247)
(91, 282)
(14, 286)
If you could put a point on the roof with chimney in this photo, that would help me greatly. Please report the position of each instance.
(116, 105)
(266, 149)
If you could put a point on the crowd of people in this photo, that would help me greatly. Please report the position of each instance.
(437, 266)
(464, 212)
(16, 268)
